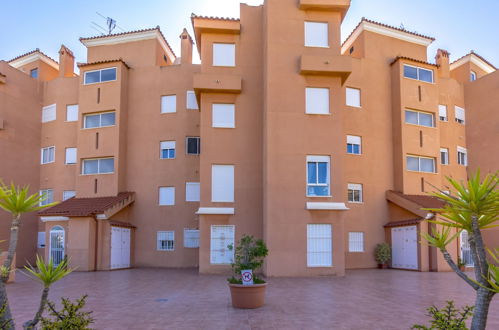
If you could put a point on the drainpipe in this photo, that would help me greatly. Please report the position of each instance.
(96, 245)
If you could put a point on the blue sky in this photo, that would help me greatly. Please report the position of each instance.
(458, 25)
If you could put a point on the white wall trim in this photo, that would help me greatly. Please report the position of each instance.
(31, 58)
(215, 210)
(54, 218)
(131, 37)
(475, 60)
(101, 216)
(326, 206)
(386, 31)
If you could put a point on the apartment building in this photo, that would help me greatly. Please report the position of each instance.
(321, 148)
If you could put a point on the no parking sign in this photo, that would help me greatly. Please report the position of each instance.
(247, 276)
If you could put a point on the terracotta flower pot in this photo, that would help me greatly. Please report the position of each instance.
(382, 266)
(247, 296)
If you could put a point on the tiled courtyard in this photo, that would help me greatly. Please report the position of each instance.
(182, 299)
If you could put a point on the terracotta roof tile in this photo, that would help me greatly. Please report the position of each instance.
(425, 201)
(102, 62)
(387, 26)
(131, 32)
(37, 50)
(480, 57)
(412, 60)
(85, 207)
(121, 224)
(403, 223)
(215, 18)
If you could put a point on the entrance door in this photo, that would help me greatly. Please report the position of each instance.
(466, 250)
(405, 247)
(120, 247)
(56, 244)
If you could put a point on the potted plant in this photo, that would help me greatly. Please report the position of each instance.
(383, 253)
(461, 264)
(248, 258)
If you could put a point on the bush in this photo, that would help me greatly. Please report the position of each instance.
(249, 254)
(447, 318)
(70, 317)
(382, 253)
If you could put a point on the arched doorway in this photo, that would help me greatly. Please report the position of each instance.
(56, 244)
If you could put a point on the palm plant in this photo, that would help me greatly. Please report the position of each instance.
(475, 207)
(46, 274)
(16, 201)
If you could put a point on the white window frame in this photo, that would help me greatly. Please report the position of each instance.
(73, 156)
(222, 192)
(327, 237)
(419, 68)
(353, 97)
(50, 193)
(473, 75)
(98, 166)
(187, 145)
(354, 140)
(85, 116)
(72, 111)
(191, 238)
(166, 196)
(100, 76)
(168, 103)
(444, 160)
(214, 248)
(442, 112)
(192, 192)
(224, 54)
(47, 149)
(314, 29)
(356, 243)
(355, 187)
(459, 115)
(314, 104)
(65, 193)
(419, 163)
(319, 159)
(462, 153)
(168, 236)
(49, 113)
(419, 121)
(191, 102)
(223, 115)
(167, 145)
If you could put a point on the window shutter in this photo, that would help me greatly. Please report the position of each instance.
(224, 54)
(191, 102)
(221, 237)
(167, 196)
(442, 111)
(459, 113)
(352, 139)
(319, 245)
(49, 113)
(41, 240)
(168, 104)
(222, 183)
(354, 186)
(70, 155)
(191, 238)
(192, 192)
(223, 115)
(316, 34)
(353, 97)
(167, 145)
(72, 112)
(317, 100)
(67, 194)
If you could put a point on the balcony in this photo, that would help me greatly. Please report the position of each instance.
(336, 65)
(217, 83)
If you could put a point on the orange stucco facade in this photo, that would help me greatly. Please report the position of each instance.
(252, 105)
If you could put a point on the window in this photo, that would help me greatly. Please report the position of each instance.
(34, 73)
(354, 145)
(462, 156)
(166, 240)
(355, 242)
(418, 73)
(222, 183)
(444, 156)
(48, 155)
(41, 240)
(221, 237)
(72, 112)
(472, 76)
(318, 176)
(193, 145)
(97, 76)
(191, 238)
(167, 150)
(224, 54)
(191, 101)
(353, 97)
(319, 245)
(67, 194)
(442, 112)
(459, 115)
(167, 196)
(223, 115)
(99, 120)
(317, 101)
(98, 166)
(355, 193)
(316, 34)
(47, 197)
(421, 164)
(192, 192)
(419, 118)
(49, 113)
(70, 155)
(168, 104)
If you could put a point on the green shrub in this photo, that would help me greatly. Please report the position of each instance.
(447, 318)
(69, 317)
(382, 253)
(249, 254)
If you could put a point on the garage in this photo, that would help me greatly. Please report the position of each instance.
(120, 247)
(405, 247)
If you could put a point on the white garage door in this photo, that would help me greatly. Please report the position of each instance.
(120, 247)
(405, 247)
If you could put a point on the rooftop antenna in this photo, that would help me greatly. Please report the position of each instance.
(110, 23)
(402, 26)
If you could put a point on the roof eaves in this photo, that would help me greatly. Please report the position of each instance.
(412, 60)
(194, 16)
(103, 62)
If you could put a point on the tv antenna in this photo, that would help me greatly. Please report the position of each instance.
(110, 25)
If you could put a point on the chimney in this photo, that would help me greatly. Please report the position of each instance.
(442, 60)
(185, 47)
(66, 62)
